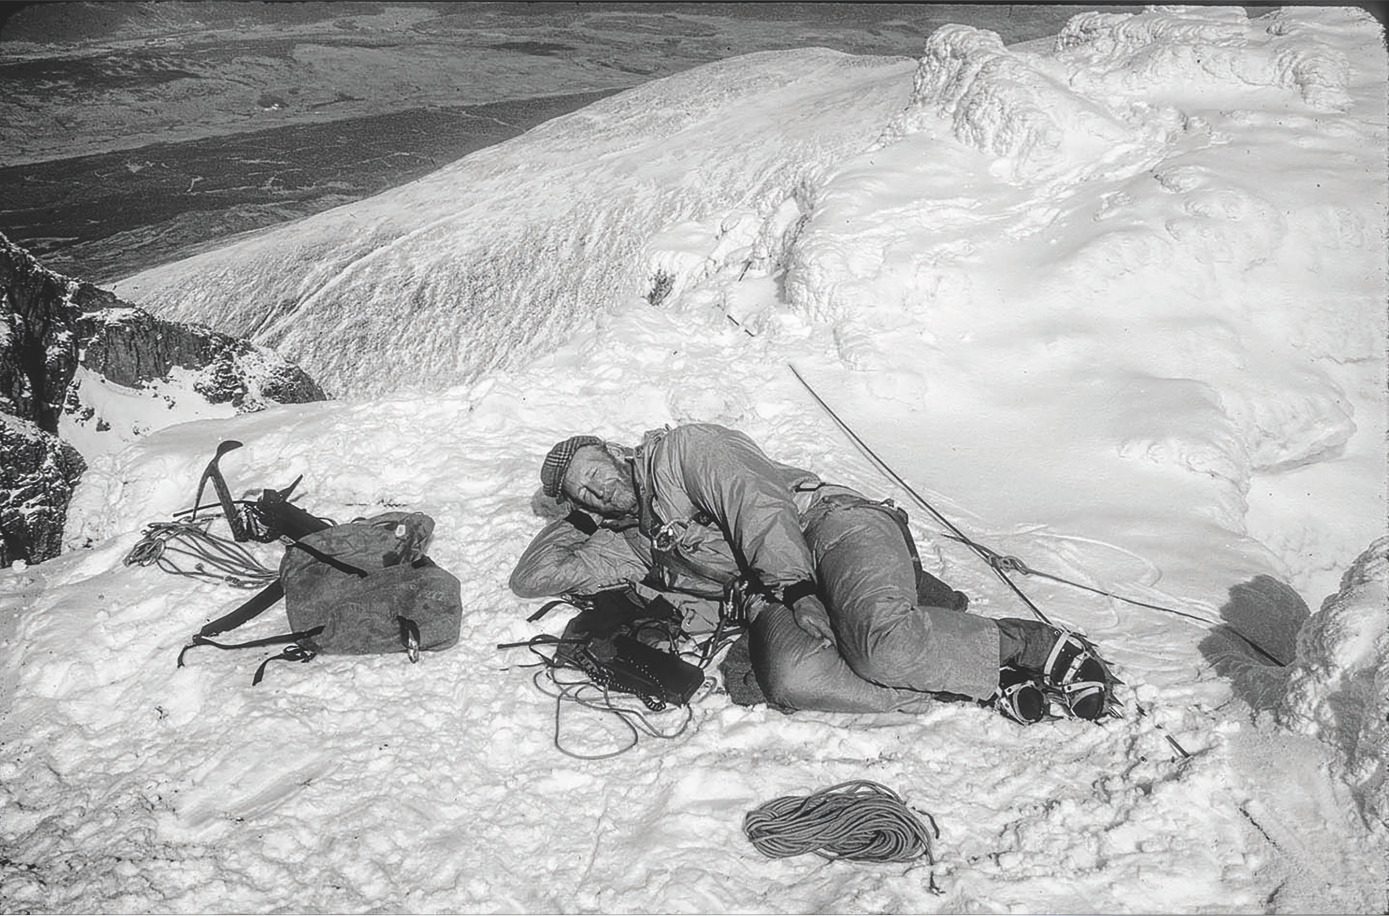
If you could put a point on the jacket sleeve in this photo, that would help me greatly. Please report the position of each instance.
(724, 473)
(563, 560)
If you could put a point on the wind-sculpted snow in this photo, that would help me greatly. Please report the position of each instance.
(1006, 105)
(1208, 49)
(504, 254)
(1136, 162)
(1338, 688)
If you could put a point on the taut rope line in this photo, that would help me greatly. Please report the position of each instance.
(1000, 563)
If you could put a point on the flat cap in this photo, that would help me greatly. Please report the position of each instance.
(557, 462)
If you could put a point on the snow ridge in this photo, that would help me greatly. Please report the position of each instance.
(1220, 46)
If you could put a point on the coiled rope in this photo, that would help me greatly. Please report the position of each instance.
(858, 820)
(189, 549)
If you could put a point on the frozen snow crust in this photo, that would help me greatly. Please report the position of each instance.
(1115, 306)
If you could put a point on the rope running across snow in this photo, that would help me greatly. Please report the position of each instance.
(1002, 564)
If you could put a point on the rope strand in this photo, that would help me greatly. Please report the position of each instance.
(189, 549)
(959, 535)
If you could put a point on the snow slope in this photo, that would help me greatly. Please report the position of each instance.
(506, 252)
(1115, 304)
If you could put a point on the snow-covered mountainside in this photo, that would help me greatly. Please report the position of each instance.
(1114, 303)
(505, 253)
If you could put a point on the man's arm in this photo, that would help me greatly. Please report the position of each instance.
(724, 473)
(564, 560)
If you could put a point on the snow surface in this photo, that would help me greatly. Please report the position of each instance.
(1115, 304)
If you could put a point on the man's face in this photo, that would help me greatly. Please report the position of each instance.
(600, 483)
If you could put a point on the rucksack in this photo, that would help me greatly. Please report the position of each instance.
(361, 588)
(365, 587)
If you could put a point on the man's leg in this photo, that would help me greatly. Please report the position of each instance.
(796, 672)
(868, 585)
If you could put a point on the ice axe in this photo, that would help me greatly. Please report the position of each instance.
(273, 510)
(214, 473)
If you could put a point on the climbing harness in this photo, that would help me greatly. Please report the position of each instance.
(859, 819)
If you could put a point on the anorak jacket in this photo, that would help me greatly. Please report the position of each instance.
(712, 507)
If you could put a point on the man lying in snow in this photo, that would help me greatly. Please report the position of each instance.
(840, 618)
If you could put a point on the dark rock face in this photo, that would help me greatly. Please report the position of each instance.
(38, 343)
(49, 326)
(38, 472)
(129, 346)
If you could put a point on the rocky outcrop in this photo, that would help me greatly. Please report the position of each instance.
(39, 311)
(37, 474)
(50, 327)
(130, 347)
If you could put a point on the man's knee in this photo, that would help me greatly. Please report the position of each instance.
(893, 652)
(793, 670)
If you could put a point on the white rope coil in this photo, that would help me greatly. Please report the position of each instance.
(859, 820)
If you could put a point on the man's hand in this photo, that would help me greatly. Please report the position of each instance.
(810, 615)
(582, 520)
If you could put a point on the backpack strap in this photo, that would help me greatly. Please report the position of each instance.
(258, 604)
(295, 652)
(200, 640)
(320, 556)
(548, 607)
(299, 648)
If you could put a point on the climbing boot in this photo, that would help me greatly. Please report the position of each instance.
(1069, 666)
(1075, 671)
(1020, 696)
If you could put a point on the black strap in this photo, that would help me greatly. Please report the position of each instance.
(339, 565)
(547, 608)
(292, 653)
(583, 521)
(200, 640)
(796, 591)
(539, 639)
(258, 604)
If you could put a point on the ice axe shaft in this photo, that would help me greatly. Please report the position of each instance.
(214, 473)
